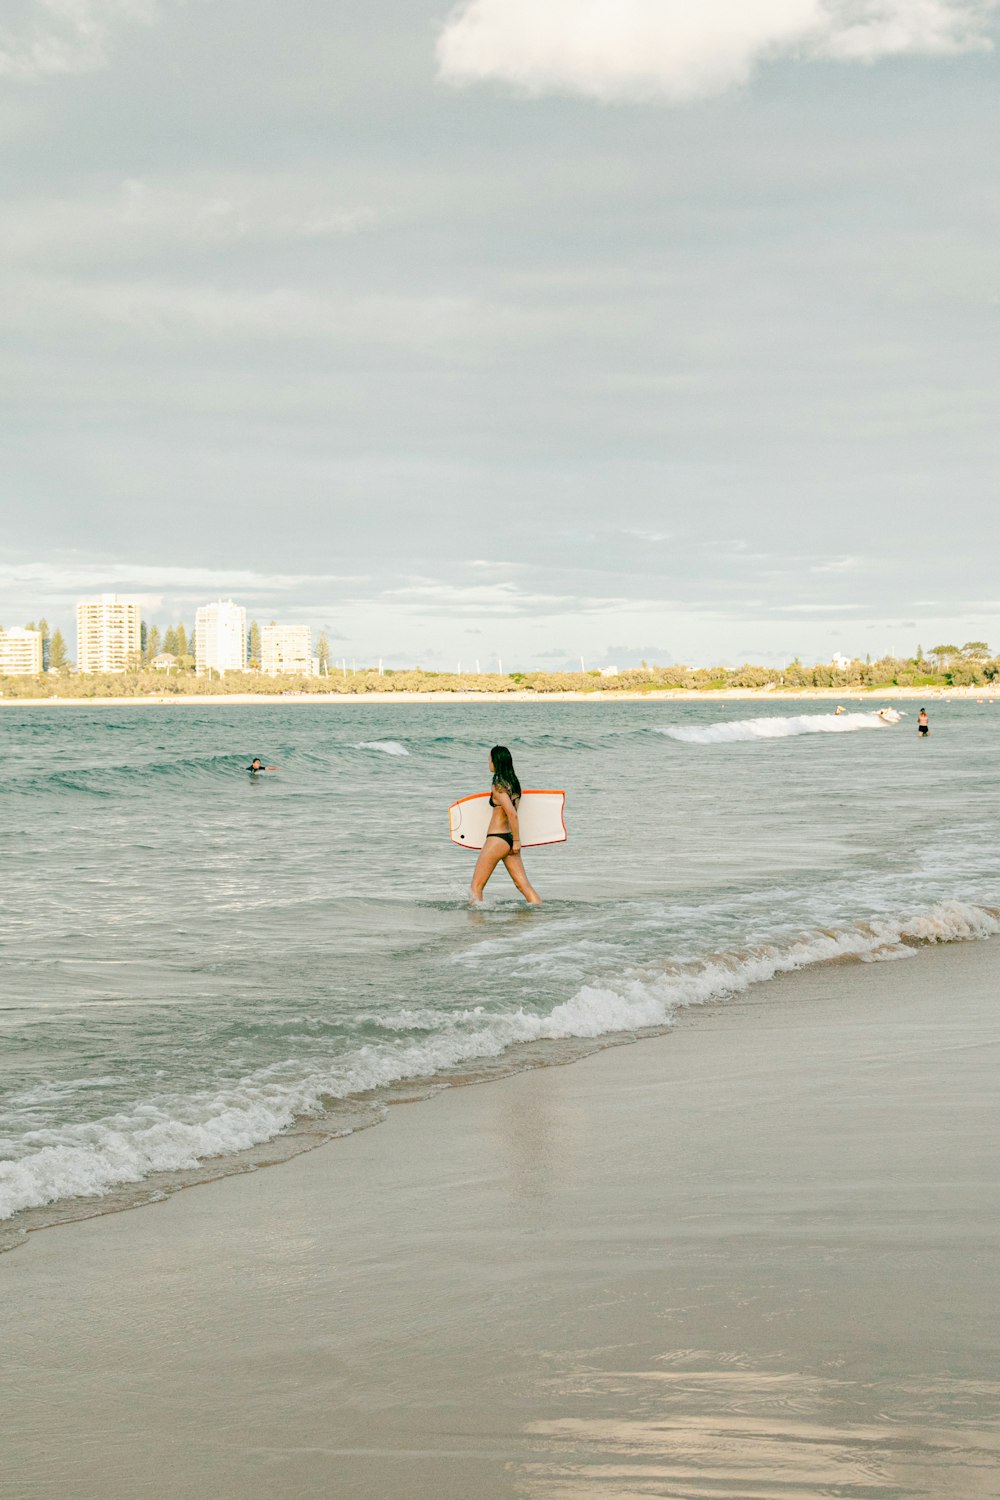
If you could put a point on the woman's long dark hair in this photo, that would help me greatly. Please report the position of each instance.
(504, 775)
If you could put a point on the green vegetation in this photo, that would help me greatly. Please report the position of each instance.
(968, 666)
(58, 657)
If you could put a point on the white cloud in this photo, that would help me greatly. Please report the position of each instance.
(849, 564)
(66, 36)
(150, 309)
(75, 577)
(478, 600)
(271, 209)
(675, 50)
(865, 30)
(199, 213)
(813, 609)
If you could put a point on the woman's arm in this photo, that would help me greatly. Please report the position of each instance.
(507, 803)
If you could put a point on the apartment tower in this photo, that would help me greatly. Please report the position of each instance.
(286, 648)
(108, 633)
(20, 652)
(220, 638)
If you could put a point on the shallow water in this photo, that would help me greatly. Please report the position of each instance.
(194, 962)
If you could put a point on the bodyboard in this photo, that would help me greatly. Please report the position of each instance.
(539, 817)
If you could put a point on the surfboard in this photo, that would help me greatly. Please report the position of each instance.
(539, 817)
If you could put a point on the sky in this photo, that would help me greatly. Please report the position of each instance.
(523, 330)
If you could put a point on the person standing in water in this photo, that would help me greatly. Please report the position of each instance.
(503, 842)
(923, 724)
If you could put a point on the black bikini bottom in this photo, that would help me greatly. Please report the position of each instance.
(508, 838)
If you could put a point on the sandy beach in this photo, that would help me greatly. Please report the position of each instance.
(872, 697)
(756, 1257)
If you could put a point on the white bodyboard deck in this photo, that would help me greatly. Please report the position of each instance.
(539, 818)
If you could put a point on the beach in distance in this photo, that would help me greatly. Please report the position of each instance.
(595, 695)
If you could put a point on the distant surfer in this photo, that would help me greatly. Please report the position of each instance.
(256, 766)
(923, 724)
(503, 841)
(840, 709)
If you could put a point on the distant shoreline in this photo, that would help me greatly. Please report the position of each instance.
(667, 695)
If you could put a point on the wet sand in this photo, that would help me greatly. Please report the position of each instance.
(757, 1258)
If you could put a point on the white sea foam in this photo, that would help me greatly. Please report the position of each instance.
(171, 1133)
(388, 747)
(776, 728)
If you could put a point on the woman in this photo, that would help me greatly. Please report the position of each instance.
(503, 842)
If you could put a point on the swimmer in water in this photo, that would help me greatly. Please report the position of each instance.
(923, 724)
(503, 842)
(256, 766)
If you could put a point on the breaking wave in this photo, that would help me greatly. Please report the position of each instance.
(779, 728)
(388, 747)
(174, 1133)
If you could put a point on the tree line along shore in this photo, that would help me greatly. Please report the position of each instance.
(946, 667)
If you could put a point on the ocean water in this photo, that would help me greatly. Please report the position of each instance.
(200, 972)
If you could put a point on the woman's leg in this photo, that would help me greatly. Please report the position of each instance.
(490, 856)
(517, 873)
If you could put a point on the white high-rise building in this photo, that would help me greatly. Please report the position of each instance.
(286, 648)
(108, 633)
(220, 638)
(20, 652)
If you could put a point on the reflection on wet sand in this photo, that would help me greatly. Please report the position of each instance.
(706, 1430)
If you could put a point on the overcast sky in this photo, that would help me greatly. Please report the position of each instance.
(539, 328)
